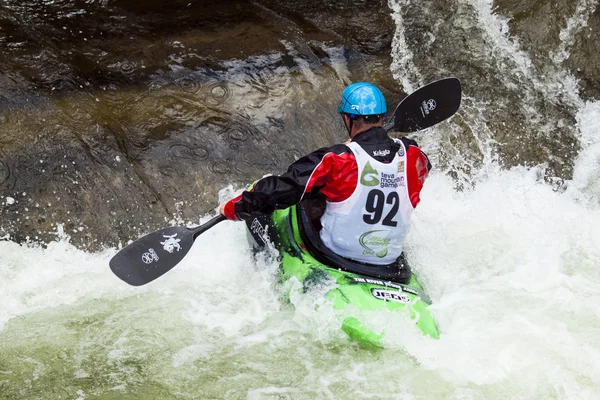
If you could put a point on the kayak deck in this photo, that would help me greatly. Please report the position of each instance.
(359, 291)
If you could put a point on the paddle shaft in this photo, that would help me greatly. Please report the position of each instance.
(207, 225)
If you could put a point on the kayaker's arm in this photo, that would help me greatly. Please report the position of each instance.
(417, 169)
(327, 170)
(330, 171)
(408, 143)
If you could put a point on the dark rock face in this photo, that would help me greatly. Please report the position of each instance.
(118, 117)
(584, 60)
(526, 116)
(566, 31)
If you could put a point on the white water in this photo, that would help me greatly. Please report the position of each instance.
(512, 268)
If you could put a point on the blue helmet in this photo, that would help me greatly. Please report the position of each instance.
(362, 98)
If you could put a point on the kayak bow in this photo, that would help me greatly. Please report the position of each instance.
(385, 288)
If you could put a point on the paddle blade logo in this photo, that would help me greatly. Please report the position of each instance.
(150, 256)
(171, 244)
(428, 106)
(390, 295)
(369, 176)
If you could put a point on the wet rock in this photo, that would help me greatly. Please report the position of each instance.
(584, 59)
(514, 112)
(566, 32)
(121, 118)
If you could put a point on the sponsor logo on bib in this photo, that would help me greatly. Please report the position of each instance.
(381, 153)
(401, 166)
(391, 181)
(369, 176)
(369, 241)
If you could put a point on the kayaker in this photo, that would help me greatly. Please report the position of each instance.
(371, 184)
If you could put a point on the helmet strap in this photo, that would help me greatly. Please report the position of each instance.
(349, 125)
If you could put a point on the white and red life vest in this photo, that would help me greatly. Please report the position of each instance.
(371, 224)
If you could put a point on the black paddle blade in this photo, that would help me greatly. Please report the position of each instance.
(152, 255)
(156, 253)
(429, 105)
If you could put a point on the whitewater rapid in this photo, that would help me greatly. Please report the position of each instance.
(511, 266)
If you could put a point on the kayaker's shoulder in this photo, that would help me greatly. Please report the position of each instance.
(338, 149)
(406, 141)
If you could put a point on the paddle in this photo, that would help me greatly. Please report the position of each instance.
(155, 254)
(429, 105)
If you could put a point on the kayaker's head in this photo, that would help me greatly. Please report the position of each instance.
(362, 107)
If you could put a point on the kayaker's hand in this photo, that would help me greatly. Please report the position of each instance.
(228, 210)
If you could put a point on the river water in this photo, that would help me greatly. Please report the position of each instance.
(510, 261)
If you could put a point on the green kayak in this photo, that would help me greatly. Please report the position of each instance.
(294, 233)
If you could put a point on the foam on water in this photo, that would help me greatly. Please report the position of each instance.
(403, 67)
(587, 175)
(559, 87)
(511, 267)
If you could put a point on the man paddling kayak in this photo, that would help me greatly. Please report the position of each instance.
(371, 184)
